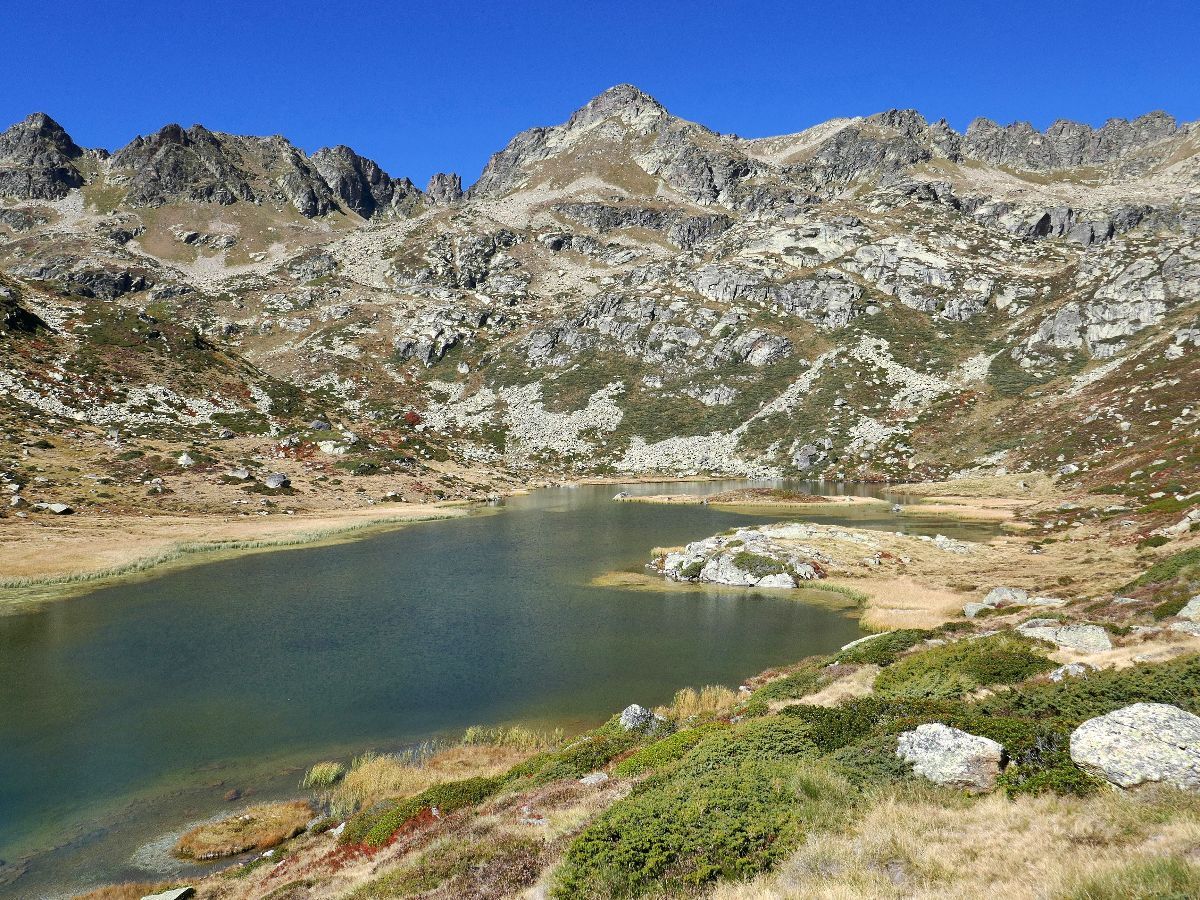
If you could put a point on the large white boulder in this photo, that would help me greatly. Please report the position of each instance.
(951, 757)
(1139, 744)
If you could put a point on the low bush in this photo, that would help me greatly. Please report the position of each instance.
(884, 649)
(728, 822)
(1183, 564)
(953, 670)
(793, 686)
(588, 754)
(758, 566)
(376, 827)
(663, 752)
(1074, 700)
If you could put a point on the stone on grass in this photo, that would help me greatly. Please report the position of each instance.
(1071, 670)
(1080, 638)
(951, 757)
(594, 780)
(1191, 611)
(971, 610)
(277, 480)
(637, 718)
(1192, 628)
(1140, 744)
(1001, 595)
(173, 894)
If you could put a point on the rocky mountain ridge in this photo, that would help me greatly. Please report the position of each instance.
(627, 292)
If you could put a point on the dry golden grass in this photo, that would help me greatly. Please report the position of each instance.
(1038, 486)
(710, 700)
(258, 828)
(374, 777)
(926, 844)
(133, 891)
(905, 602)
(859, 683)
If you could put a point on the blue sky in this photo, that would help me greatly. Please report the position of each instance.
(423, 87)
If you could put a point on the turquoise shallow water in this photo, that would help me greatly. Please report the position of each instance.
(131, 711)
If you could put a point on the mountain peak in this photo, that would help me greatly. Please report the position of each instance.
(39, 128)
(623, 100)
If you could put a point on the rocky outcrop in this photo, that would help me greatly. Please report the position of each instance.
(952, 758)
(682, 230)
(362, 186)
(1064, 144)
(444, 188)
(38, 160)
(1140, 744)
(176, 164)
(747, 558)
(1080, 638)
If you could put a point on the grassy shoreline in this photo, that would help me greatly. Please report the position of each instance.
(18, 594)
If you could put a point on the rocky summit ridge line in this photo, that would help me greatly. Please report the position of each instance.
(626, 292)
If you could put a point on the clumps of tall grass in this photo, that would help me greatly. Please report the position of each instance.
(709, 702)
(322, 775)
(373, 777)
(513, 737)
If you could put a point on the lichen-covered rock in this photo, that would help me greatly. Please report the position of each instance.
(638, 718)
(951, 757)
(1080, 638)
(1140, 744)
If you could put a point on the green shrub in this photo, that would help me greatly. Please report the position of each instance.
(955, 669)
(1172, 567)
(728, 822)
(771, 737)
(793, 686)
(589, 753)
(884, 649)
(692, 570)
(665, 751)
(830, 728)
(758, 566)
(1053, 773)
(376, 826)
(871, 762)
(1170, 607)
(1076, 699)
(1155, 540)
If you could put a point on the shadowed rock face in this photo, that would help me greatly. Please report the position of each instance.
(362, 186)
(444, 188)
(200, 165)
(37, 160)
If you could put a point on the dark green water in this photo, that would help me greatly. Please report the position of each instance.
(129, 712)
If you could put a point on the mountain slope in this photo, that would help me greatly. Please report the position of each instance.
(874, 297)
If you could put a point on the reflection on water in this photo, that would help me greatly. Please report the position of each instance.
(127, 712)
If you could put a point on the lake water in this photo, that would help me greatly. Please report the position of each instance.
(131, 711)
